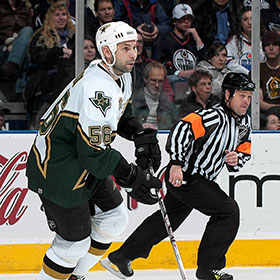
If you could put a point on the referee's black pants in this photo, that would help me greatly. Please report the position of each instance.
(200, 194)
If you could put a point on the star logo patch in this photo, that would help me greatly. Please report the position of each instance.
(102, 102)
(103, 28)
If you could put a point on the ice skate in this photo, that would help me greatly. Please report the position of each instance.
(212, 274)
(118, 265)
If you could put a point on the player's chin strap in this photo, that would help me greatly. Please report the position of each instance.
(110, 65)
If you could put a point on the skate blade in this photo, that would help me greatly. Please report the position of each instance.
(112, 268)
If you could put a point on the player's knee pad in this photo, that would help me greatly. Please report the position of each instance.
(67, 253)
(108, 225)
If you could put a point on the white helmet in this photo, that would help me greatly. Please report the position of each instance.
(112, 33)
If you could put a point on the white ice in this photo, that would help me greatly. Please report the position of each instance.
(247, 273)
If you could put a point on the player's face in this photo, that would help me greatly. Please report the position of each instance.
(125, 57)
(240, 102)
(203, 89)
(60, 19)
(273, 123)
(219, 59)
(155, 81)
(105, 11)
(246, 22)
(89, 50)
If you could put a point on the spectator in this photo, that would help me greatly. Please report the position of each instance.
(104, 12)
(3, 111)
(15, 33)
(180, 49)
(239, 45)
(149, 104)
(270, 120)
(270, 15)
(270, 71)
(147, 16)
(215, 63)
(50, 44)
(40, 9)
(214, 20)
(140, 63)
(200, 97)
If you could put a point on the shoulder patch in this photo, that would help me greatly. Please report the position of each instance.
(102, 102)
(196, 123)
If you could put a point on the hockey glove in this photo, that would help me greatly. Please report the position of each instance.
(147, 149)
(139, 183)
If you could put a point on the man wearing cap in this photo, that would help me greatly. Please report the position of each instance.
(3, 111)
(180, 49)
(270, 71)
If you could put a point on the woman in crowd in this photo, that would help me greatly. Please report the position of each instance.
(239, 46)
(270, 120)
(50, 44)
(215, 63)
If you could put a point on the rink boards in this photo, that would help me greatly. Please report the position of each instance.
(24, 235)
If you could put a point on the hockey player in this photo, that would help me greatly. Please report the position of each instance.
(199, 145)
(71, 161)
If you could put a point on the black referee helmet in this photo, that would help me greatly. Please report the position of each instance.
(240, 81)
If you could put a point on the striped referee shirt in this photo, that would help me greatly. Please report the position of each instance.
(199, 140)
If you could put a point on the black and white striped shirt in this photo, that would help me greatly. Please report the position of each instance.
(199, 140)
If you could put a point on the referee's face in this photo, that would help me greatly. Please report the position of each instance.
(240, 101)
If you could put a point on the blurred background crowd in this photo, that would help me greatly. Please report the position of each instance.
(184, 50)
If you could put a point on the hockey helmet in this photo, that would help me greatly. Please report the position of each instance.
(239, 81)
(112, 33)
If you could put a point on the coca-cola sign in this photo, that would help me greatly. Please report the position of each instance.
(12, 196)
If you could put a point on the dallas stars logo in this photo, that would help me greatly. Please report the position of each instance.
(103, 28)
(101, 102)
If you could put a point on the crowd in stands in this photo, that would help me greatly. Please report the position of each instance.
(184, 50)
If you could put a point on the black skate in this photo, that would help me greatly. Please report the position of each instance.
(212, 274)
(74, 277)
(118, 265)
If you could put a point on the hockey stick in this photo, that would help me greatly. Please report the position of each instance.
(170, 232)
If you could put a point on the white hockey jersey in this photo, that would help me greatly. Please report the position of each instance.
(75, 135)
(241, 63)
